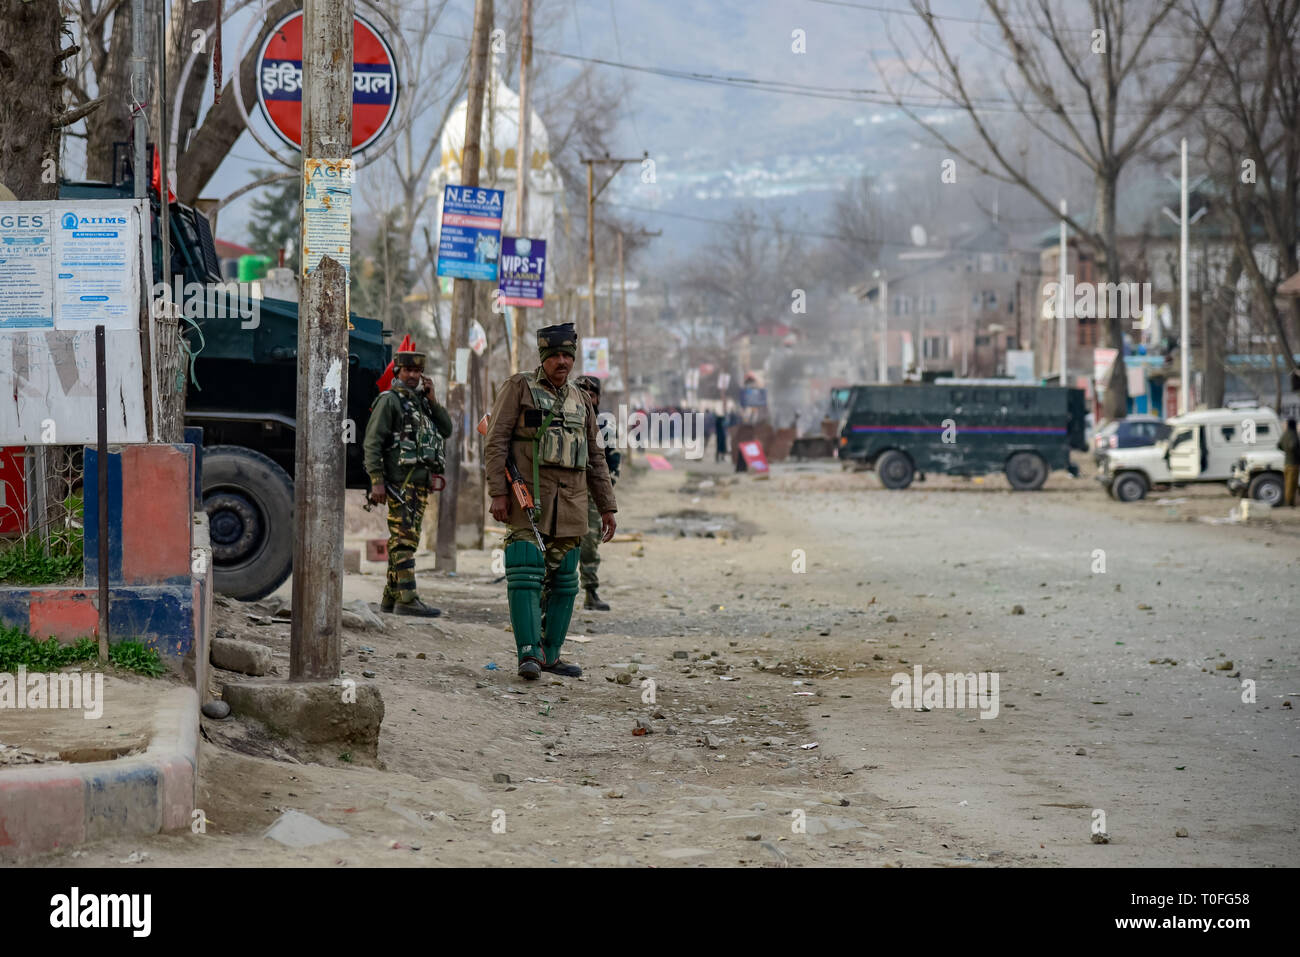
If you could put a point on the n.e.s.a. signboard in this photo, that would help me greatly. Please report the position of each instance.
(374, 82)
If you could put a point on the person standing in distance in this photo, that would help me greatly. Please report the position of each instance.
(590, 555)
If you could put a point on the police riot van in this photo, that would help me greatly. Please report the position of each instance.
(962, 427)
(1202, 446)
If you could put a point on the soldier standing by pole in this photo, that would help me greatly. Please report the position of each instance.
(589, 550)
(547, 430)
(404, 459)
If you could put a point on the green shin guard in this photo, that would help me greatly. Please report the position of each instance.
(559, 605)
(525, 569)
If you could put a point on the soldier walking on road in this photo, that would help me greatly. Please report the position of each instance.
(1290, 446)
(548, 429)
(403, 451)
(589, 550)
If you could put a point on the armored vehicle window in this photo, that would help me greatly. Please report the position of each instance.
(1003, 396)
(1261, 430)
(1228, 431)
(1181, 437)
(957, 396)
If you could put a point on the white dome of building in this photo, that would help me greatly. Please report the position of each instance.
(499, 145)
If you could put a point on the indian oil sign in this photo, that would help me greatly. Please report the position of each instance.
(374, 82)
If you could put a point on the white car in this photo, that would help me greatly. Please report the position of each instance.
(1259, 475)
(1203, 446)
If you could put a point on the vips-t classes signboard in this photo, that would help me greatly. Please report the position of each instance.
(523, 271)
(374, 82)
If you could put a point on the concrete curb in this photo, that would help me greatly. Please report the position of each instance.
(43, 808)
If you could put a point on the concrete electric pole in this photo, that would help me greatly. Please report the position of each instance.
(523, 163)
(320, 455)
(593, 194)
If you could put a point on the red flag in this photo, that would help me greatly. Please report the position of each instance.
(385, 380)
(155, 181)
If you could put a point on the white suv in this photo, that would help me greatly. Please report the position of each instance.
(1259, 475)
(1203, 446)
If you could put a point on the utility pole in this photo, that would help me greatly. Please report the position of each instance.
(592, 194)
(882, 359)
(1062, 303)
(523, 162)
(1184, 322)
(140, 94)
(320, 455)
(622, 288)
(462, 297)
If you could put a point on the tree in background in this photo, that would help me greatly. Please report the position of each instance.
(382, 276)
(1099, 87)
(275, 221)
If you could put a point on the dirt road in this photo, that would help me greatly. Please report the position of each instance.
(794, 601)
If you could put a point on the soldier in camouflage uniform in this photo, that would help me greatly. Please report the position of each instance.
(403, 450)
(548, 427)
(589, 549)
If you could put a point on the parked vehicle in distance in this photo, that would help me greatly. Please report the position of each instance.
(1259, 475)
(962, 427)
(1203, 446)
(1135, 431)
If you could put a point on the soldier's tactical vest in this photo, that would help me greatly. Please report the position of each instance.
(564, 443)
(419, 444)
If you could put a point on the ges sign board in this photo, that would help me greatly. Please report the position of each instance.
(374, 82)
(469, 243)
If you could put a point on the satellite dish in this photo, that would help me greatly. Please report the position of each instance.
(918, 235)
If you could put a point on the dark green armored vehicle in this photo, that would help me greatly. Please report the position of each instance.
(962, 428)
(244, 396)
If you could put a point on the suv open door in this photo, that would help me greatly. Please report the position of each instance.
(1184, 454)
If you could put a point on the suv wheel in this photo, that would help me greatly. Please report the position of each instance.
(1129, 487)
(1267, 488)
(895, 469)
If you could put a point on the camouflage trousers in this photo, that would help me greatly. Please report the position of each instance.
(590, 570)
(556, 549)
(403, 539)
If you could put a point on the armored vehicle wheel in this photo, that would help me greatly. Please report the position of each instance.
(895, 469)
(1129, 487)
(1026, 471)
(249, 501)
(1267, 488)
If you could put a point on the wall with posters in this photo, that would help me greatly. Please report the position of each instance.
(66, 267)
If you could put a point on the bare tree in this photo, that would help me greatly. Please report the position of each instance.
(1251, 136)
(1099, 93)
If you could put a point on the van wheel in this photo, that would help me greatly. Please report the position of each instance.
(1130, 487)
(249, 501)
(1267, 488)
(895, 469)
(1026, 471)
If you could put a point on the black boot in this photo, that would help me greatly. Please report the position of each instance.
(593, 601)
(529, 669)
(415, 608)
(564, 668)
(386, 604)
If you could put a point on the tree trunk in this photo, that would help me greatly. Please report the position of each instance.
(111, 123)
(223, 124)
(1115, 400)
(30, 97)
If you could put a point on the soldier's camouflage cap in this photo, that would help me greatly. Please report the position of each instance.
(413, 360)
(588, 382)
(556, 339)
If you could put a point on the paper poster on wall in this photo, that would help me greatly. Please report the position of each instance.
(26, 266)
(96, 250)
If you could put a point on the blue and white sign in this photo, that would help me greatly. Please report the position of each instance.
(523, 271)
(96, 256)
(469, 243)
(752, 398)
(26, 274)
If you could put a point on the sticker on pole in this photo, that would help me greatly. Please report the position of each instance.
(595, 357)
(469, 243)
(374, 82)
(327, 213)
(523, 271)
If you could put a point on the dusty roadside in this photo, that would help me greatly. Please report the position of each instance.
(929, 577)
